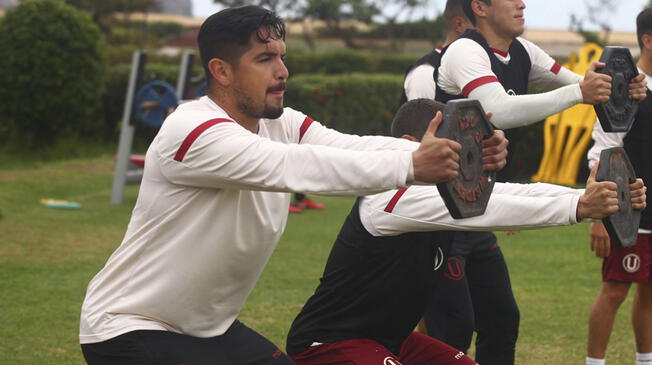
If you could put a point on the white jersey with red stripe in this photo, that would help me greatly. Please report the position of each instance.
(511, 207)
(212, 205)
(419, 82)
(466, 69)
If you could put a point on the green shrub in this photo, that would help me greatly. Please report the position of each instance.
(346, 61)
(52, 78)
(355, 103)
(165, 30)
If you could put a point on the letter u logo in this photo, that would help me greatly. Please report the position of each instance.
(631, 263)
(454, 271)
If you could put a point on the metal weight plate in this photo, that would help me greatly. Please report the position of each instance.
(622, 226)
(153, 102)
(617, 114)
(468, 194)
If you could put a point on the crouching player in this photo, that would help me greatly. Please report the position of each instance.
(391, 250)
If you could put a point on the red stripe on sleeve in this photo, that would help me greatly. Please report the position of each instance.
(477, 83)
(555, 68)
(304, 127)
(192, 136)
(392, 203)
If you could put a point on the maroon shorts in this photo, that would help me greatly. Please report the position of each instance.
(629, 264)
(416, 349)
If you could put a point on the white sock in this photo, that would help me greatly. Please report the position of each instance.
(644, 359)
(592, 361)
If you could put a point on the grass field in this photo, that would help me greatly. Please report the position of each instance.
(48, 256)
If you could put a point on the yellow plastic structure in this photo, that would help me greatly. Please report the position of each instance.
(566, 135)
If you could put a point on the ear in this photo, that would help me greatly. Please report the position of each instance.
(479, 8)
(221, 71)
(647, 42)
(410, 137)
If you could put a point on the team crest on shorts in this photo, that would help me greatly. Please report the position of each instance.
(390, 361)
(631, 263)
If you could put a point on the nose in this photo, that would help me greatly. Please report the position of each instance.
(522, 5)
(282, 73)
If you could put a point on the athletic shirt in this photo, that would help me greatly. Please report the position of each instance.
(432, 58)
(212, 205)
(638, 145)
(372, 287)
(513, 76)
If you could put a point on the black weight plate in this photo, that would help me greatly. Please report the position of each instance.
(617, 114)
(468, 194)
(622, 225)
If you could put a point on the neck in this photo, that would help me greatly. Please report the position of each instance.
(645, 64)
(493, 38)
(450, 38)
(247, 122)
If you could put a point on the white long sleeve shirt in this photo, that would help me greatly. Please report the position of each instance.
(466, 69)
(212, 205)
(511, 207)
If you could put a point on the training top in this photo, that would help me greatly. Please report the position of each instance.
(470, 68)
(420, 77)
(387, 259)
(638, 146)
(212, 205)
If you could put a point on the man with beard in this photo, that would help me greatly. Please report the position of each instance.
(214, 198)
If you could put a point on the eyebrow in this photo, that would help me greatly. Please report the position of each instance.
(267, 54)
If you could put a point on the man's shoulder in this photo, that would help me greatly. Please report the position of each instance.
(193, 114)
(464, 45)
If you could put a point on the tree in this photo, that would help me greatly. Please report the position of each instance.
(334, 14)
(52, 78)
(404, 10)
(102, 11)
(598, 13)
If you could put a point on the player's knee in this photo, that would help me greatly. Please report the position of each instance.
(614, 295)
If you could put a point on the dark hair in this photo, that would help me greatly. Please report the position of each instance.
(466, 5)
(226, 34)
(643, 25)
(414, 116)
(453, 8)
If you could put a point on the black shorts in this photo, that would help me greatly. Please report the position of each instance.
(238, 345)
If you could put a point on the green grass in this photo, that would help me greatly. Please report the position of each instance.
(48, 256)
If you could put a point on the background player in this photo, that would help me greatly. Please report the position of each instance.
(624, 266)
(494, 65)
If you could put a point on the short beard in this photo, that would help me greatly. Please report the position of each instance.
(246, 106)
(272, 113)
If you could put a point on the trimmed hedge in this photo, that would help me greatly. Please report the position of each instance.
(355, 103)
(346, 61)
(53, 66)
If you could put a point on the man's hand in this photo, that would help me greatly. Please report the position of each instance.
(596, 87)
(599, 200)
(637, 192)
(494, 151)
(436, 159)
(600, 243)
(638, 87)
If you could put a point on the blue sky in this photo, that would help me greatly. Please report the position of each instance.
(545, 14)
